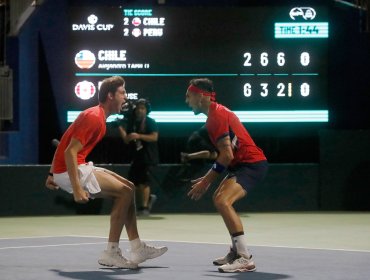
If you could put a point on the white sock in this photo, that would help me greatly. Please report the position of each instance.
(233, 246)
(240, 242)
(112, 246)
(135, 244)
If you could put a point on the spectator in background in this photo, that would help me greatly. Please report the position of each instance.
(141, 133)
(200, 151)
(199, 147)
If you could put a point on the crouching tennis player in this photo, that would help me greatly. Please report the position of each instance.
(240, 157)
(70, 172)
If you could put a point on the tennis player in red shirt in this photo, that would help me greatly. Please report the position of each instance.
(70, 172)
(245, 163)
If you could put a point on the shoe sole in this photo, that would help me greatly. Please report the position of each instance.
(218, 264)
(237, 270)
(111, 265)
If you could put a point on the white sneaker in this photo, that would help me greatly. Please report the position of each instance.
(146, 252)
(241, 264)
(229, 258)
(115, 258)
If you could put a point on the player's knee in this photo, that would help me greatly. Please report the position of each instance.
(126, 191)
(220, 202)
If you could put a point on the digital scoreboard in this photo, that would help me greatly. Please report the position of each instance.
(268, 64)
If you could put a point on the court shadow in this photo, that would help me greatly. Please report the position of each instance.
(102, 274)
(251, 276)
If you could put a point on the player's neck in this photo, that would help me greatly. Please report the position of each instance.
(106, 110)
(205, 108)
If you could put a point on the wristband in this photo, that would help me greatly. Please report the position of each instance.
(51, 174)
(218, 167)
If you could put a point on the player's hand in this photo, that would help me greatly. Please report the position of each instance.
(81, 196)
(198, 189)
(50, 184)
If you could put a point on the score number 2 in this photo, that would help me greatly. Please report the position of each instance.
(281, 87)
(280, 59)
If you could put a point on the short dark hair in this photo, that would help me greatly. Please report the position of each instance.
(203, 83)
(109, 85)
(145, 102)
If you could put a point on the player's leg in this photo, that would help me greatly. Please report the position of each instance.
(122, 194)
(139, 250)
(225, 196)
(131, 225)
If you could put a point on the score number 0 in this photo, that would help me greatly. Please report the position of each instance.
(280, 60)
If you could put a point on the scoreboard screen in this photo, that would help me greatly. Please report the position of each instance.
(268, 64)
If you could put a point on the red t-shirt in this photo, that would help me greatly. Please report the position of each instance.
(222, 122)
(89, 128)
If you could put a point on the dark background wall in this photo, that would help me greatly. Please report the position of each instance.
(288, 187)
(335, 157)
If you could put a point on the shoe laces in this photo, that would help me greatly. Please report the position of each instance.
(148, 248)
(243, 260)
(119, 254)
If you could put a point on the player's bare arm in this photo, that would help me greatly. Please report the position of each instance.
(224, 158)
(80, 196)
(50, 184)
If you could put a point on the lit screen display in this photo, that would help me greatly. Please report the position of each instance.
(268, 64)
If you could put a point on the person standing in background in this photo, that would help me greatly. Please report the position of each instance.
(141, 133)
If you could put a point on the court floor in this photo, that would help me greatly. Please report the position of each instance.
(284, 246)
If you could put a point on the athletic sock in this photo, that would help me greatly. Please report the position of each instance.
(112, 246)
(240, 241)
(135, 244)
(233, 246)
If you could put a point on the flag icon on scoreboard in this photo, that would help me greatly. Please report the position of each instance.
(85, 59)
(85, 90)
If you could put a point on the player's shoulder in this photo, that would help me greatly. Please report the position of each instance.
(93, 112)
(219, 110)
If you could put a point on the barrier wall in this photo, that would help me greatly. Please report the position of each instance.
(287, 187)
(345, 170)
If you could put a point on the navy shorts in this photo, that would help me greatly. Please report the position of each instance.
(248, 175)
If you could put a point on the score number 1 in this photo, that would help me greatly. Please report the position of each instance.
(281, 87)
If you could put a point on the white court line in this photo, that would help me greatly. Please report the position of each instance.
(253, 245)
(51, 245)
(30, 237)
(170, 241)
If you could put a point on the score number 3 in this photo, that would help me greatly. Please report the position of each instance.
(304, 90)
